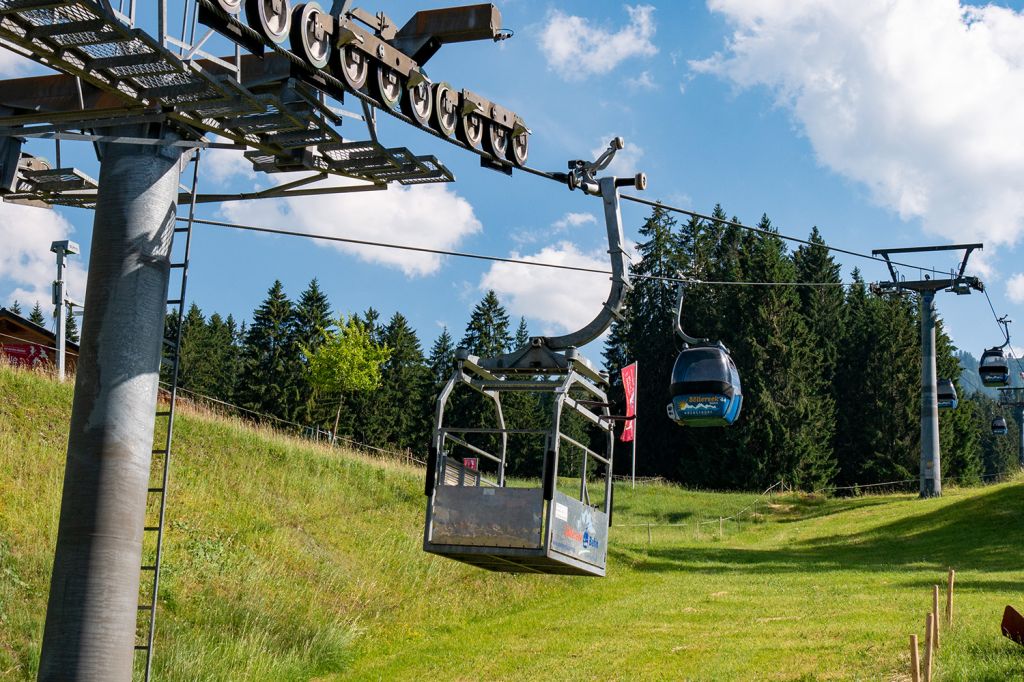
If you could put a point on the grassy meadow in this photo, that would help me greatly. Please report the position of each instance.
(289, 561)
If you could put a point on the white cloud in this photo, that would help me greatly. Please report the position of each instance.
(13, 64)
(920, 100)
(222, 165)
(573, 220)
(562, 300)
(26, 264)
(576, 48)
(644, 82)
(1015, 288)
(429, 216)
(626, 162)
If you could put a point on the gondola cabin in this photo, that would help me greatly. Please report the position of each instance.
(947, 395)
(993, 368)
(999, 426)
(705, 388)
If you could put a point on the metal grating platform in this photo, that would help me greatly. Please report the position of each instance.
(263, 102)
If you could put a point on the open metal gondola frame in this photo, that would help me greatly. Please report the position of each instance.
(485, 522)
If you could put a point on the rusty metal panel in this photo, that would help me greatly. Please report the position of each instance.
(579, 530)
(487, 517)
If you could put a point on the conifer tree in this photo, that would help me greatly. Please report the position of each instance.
(15, 307)
(855, 345)
(403, 402)
(71, 326)
(889, 409)
(310, 325)
(959, 437)
(649, 338)
(222, 348)
(270, 368)
(487, 334)
(442, 354)
(786, 430)
(36, 316)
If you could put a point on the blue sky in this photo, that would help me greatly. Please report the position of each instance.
(883, 126)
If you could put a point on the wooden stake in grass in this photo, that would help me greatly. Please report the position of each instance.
(915, 661)
(929, 629)
(949, 598)
(720, 528)
(935, 614)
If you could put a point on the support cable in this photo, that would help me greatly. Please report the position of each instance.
(499, 259)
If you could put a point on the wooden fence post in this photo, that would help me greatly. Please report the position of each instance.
(915, 660)
(929, 629)
(935, 619)
(949, 598)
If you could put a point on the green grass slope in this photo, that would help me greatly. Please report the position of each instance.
(287, 561)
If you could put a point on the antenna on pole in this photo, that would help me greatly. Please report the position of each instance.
(61, 301)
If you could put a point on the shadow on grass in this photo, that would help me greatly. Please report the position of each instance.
(981, 533)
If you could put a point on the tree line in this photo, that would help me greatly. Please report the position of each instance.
(830, 372)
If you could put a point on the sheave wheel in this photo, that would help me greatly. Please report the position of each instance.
(520, 145)
(307, 35)
(497, 140)
(272, 18)
(352, 67)
(445, 116)
(418, 103)
(471, 129)
(387, 86)
(230, 6)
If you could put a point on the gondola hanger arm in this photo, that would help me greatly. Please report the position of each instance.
(680, 292)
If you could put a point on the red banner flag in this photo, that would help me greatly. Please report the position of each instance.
(629, 384)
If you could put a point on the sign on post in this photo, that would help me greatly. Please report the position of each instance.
(629, 374)
(471, 463)
(629, 384)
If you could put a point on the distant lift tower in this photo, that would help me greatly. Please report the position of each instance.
(1014, 397)
(958, 283)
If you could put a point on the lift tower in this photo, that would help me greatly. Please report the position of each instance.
(1014, 397)
(958, 283)
(268, 78)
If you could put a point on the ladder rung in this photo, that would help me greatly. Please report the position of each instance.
(179, 265)
(181, 229)
(155, 490)
(174, 301)
(160, 452)
(151, 528)
(145, 607)
(149, 567)
(142, 647)
(163, 414)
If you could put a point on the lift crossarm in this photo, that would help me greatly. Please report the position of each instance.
(427, 30)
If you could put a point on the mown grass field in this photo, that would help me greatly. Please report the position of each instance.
(287, 561)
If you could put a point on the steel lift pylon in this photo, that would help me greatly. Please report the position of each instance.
(148, 97)
(959, 283)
